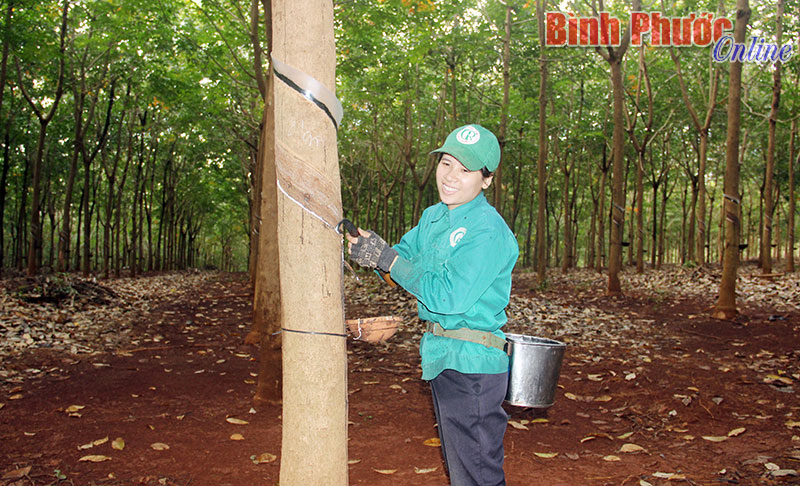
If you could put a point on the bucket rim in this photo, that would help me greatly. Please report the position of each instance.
(513, 338)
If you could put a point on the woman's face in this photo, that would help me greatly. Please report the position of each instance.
(458, 185)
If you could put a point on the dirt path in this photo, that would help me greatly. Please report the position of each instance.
(695, 401)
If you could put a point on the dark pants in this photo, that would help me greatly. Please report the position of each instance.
(472, 423)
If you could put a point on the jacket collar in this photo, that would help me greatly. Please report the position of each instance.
(443, 211)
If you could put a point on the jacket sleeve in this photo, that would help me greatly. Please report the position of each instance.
(456, 284)
(409, 243)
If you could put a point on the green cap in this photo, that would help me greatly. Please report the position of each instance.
(474, 146)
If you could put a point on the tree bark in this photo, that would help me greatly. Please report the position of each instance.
(725, 307)
(790, 229)
(614, 57)
(617, 193)
(3, 179)
(267, 297)
(602, 215)
(541, 165)
(314, 365)
(35, 243)
(6, 161)
(769, 173)
(501, 135)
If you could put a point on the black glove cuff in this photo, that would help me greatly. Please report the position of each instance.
(387, 258)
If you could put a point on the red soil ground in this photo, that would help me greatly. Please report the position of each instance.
(675, 377)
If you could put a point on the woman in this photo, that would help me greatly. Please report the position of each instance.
(457, 262)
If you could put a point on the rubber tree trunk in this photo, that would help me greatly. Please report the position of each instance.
(769, 174)
(541, 164)
(267, 298)
(314, 441)
(790, 229)
(726, 302)
(617, 192)
(614, 57)
(498, 175)
(35, 244)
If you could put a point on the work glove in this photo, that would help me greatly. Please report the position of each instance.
(371, 251)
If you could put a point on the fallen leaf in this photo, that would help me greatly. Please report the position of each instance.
(782, 473)
(642, 482)
(385, 471)
(539, 421)
(237, 437)
(735, 432)
(570, 396)
(118, 444)
(264, 458)
(546, 455)
(775, 379)
(612, 458)
(792, 424)
(517, 425)
(93, 443)
(74, 408)
(353, 461)
(433, 442)
(18, 396)
(94, 458)
(236, 421)
(603, 398)
(625, 435)
(588, 438)
(670, 476)
(17, 473)
(714, 438)
(631, 448)
(598, 377)
(2, 405)
(159, 446)
(425, 470)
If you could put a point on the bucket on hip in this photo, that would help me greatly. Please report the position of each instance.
(534, 366)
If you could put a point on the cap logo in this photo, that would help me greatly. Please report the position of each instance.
(468, 135)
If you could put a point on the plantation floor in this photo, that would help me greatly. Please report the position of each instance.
(652, 391)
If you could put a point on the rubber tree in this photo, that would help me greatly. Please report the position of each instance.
(725, 307)
(614, 57)
(769, 172)
(314, 440)
(790, 229)
(541, 164)
(267, 299)
(44, 118)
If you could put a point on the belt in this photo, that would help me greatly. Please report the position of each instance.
(485, 338)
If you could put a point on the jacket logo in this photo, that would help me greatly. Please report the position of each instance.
(456, 236)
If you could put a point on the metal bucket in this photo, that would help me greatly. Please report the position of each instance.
(534, 365)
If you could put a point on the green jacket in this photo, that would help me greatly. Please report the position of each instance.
(458, 263)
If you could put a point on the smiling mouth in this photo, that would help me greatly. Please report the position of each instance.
(448, 189)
